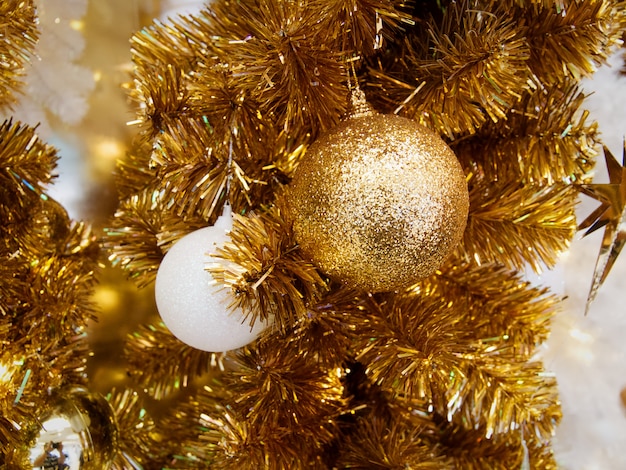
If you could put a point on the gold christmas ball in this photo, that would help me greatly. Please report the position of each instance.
(77, 430)
(379, 202)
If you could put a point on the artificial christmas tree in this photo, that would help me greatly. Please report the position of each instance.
(437, 373)
(231, 100)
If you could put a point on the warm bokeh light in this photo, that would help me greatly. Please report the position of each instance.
(106, 297)
(77, 25)
(6, 373)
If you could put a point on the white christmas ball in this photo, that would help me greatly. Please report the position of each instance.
(193, 307)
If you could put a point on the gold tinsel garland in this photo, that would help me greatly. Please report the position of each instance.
(438, 376)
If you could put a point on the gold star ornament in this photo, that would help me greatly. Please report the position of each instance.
(611, 214)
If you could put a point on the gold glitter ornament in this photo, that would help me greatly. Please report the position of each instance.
(379, 202)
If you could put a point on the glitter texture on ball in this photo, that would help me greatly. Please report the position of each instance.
(379, 202)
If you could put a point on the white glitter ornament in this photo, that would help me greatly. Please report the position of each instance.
(193, 307)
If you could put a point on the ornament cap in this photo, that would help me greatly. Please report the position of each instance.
(359, 107)
(225, 221)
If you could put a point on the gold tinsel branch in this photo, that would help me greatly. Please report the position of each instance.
(137, 431)
(379, 443)
(325, 332)
(161, 364)
(466, 70)
(26, 164)
(555, 34)
(142, 225)
(473, 65)
(430, 354)
(190, 177)
(163, 98)
(500, 307)
(263, 266)
(501, 395)
(46, 296)
(188, 422)
(470, 450)
(506, 213)
(368, 24)
(285, 58)
(544, 140)
(220, 438)
(286, 393)
(18, 22)
(421, 340)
